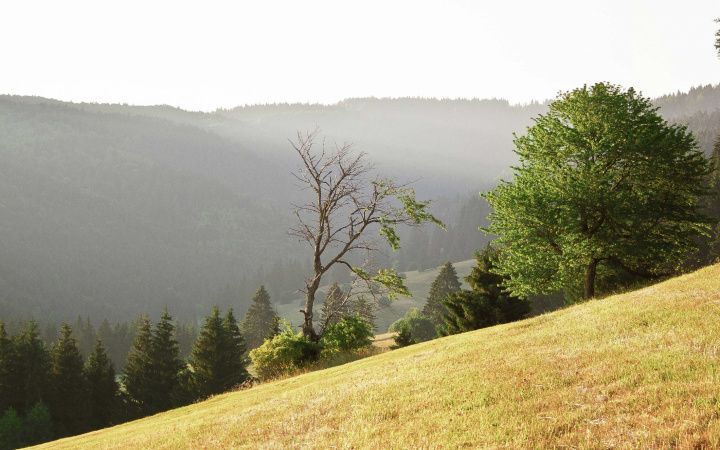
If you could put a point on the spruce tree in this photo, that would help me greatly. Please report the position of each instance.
(166, 364)
(37, 425)
(10, 430)
(68, 401)
(335, 307)
(486, 303)
(445, 283)
(138, 375)
(261, 321)
(32, 368)
(235, 370)
(218, 361)
(208, 357)
(102, 387)
(7, 369)
(365, 309)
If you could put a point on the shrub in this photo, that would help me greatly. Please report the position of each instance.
(350, 334)
(284, 353)
(403, 337)
(413, 327)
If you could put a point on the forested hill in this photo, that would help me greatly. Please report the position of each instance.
(111, 210)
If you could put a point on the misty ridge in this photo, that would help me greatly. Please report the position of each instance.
(108, 210)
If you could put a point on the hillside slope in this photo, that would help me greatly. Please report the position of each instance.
(639, 369)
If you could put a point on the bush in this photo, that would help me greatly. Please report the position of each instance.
(412, 328)
(284, 353)
(403, 337)
(350, 334)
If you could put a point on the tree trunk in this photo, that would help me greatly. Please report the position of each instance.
(307, 327)
(590, 274)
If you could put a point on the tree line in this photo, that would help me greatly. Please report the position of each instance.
(52, 391)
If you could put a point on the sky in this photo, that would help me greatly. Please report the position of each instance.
(203, 55)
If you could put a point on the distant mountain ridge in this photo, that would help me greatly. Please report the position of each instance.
(110, 210)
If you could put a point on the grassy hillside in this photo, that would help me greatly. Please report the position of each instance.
(633, 370)
(417, 281)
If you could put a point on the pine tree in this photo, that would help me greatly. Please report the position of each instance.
(32, 368)
(365, 308)
(68, 401)
(208, 358)
(10, 430)
(445, 283)
(207, 354)
(335, 307)
(261, 321)
(486, 303)
(7, 369)
(166, 364)
(102, 387)
(37, 425)
(236, 362)
(138, 370)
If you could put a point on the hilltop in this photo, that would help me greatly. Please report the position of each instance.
(633, 370)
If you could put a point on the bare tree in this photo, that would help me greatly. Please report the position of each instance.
(348, 201)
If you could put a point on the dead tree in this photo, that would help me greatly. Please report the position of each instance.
(348, 201)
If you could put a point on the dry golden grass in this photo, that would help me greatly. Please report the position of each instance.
(639, 370)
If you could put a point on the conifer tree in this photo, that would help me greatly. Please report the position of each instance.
(261, 321)
(445, 283)
(235, 349)
(138, 370)
(10, 430)
(7, 369)
(486, 303)
(336, 306)
(102, 387)
(37, 425)
(68, 399)
(206, 358)
(166, 364)
(365, 309)
(32, 368)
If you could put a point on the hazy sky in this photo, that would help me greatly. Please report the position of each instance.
(208, 54)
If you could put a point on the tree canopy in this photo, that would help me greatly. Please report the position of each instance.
(604, 185)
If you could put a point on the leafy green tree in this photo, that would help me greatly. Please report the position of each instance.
(717, 39)
(166, 364)
(486, 303)
(7, 369)
(10, 430)
(604, 184)
(261, 320)
(445, 283)
(37, 425)
(350, 334)
(138, 375)
(102, 387)
(32, 368)
(68, 399)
